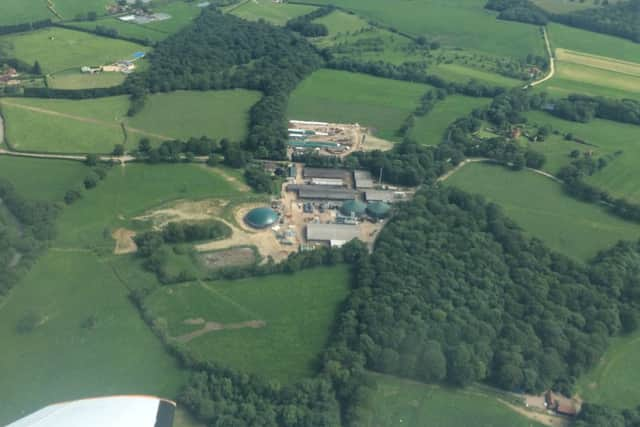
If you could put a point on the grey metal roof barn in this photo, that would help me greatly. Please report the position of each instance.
(261, 217)
(332, 232)
(322, 192)
(379, 196)
(324, 173)
(363, 179)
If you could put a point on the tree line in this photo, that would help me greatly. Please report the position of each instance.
(304, 24)
(592, 415)
(583, 108)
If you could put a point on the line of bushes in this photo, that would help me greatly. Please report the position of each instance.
(304, 24)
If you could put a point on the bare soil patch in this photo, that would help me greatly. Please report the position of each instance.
(372, 143)
(184, 210)
(124, 241)
(231, 257)
(215, 326)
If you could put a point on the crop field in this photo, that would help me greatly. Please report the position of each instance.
(59, 49)
(21, 11)
(398, 402)
(275, 13)
(430, 129)
(460, 23)
(621, 176)
(183, 114)
(27, 176)
(118, 354)
(243, 323)
(614, 381)
(64, 126)
(343, 97)
(601, 62)
(541, 208)
(131, 191)
(579, 40)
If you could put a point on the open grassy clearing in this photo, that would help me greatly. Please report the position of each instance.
(65, 126)
(59, 49)
(289, 339)
(21, 11)
(42, 179)
(70, 9)
(339, 22)
(126, 29)
(459, 23)
(562, 36)
(621, 176)
(614, 381)
(275, 13)
(461, 73)
(182, 13)
(133, 190)
(564, 6)
(217, 114)
(540, 207)
(431, 128)
(343, 97)
(60, 359)
(398, 402)
(79, 80)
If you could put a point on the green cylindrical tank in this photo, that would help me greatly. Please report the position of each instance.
(261, 217)
(353, 208)
(378, 210)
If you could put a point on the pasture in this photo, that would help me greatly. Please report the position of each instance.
(621, 176)
(539, 205)
(614, 381)
(21, 11)
(460, 23)
(79, 80)
(564, 6)
(343, 97)
(94, 340)
(565, 37)
(399, 402)
(126, 29)
(339, 22)
(183, 114)
(131, 191)
(431, 128)
(42, 179)
(463, 73)
(70, 9)
(182, 13)
(59, 49)
(275, 13)
(251, 327)
(64, 126)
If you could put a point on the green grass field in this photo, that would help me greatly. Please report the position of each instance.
(540, 207)
(61, 360)
(398, 402)
(217, 114)
(459, 23)
(64, 126)
(42, 179)
(461, 73)
(70, 9)
(59, 49)
(593, 43)
(614, 381)
(293, 336)
(343, 97)
(127, 29)
(621, 176)
(275, 13)
(21, 11)
(182, 13)
(564, 6)
(431, 128)
(340, 22)
(79, 80)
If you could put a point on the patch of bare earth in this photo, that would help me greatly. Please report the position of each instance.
(543, 418)
(372, 143)
(184, 210)
(231, 257)
(215, 326)
(124, 241)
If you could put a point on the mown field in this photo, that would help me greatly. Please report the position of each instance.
(42, 179)
(343, 97)
(118, 355)
(540, 207)
(292, 335)
(217, 114)
(275, 13)
(70, 9)
(459, 23)
(78, 80)
(593, 43)
(126, 29)
(614, 381)
(431, 128)
(21, 11)
(398, 402)
(339, 22)
(96, 125)
(462, 74)
(621, 176)
(59, 49)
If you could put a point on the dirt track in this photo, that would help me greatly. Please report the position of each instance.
(1, 130)
(552, 62)
(215, 326)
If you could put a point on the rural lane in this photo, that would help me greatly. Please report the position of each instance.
(552, 63)
(488, 160)
(81, 158)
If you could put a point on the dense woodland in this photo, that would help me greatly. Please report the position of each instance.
(304, 24)
(25, 228)
(454, 292)
(601, 416)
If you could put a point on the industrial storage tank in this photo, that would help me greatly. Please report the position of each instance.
(353, 208)
(378, 210)
(261, 217)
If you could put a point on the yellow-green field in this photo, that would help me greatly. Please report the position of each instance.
(275, 13)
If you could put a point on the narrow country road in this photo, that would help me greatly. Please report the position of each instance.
(488, 160)
(81, 158)
(552, 62)
(1, 130)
